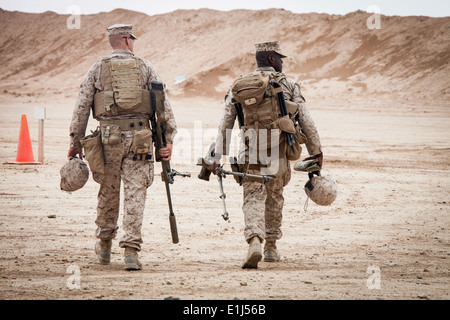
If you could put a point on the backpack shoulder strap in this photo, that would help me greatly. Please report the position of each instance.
(106, 74)
(279, 76)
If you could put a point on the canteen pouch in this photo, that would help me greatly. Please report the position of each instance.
(93, 149)
(292, 107)
(141, 147)
(293, 152)
(111, 134)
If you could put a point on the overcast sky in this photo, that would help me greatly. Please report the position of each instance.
(433, 8)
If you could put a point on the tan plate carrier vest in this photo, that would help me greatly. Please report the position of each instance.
(123, 91)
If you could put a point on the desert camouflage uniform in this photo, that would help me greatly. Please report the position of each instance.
(263, 204)
(137, 176)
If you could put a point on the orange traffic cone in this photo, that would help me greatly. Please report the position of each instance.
(24, 149)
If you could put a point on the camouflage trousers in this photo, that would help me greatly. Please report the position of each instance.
(137, 176)
(263, 207)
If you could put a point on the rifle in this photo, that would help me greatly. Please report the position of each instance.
(244, 175)
(221, 174)
(205, 173)
(284, 111)
(240, 114)
(159, 120)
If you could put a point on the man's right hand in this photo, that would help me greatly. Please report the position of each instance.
(319, 158)
(74, 152)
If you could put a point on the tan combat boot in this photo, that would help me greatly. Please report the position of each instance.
(254, 254)
(103, 251)
(132, 259)
(270, 252)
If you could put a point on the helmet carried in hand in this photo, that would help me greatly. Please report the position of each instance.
(321, 189)
(74, 175)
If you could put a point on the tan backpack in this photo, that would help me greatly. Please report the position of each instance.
(257, 97)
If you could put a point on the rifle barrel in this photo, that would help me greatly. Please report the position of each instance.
(220, 171)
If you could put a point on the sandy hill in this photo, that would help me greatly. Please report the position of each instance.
(332, 56)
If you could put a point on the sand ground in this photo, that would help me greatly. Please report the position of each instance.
(389, 223)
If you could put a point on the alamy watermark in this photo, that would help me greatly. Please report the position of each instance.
(374, 21)
(374, 280)
(251, 146)
(73, 282)
(74, 20)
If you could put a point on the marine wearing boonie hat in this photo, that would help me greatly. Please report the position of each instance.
(270, 46)
(121, 30)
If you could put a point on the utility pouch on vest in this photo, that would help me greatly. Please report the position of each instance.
(93, 149)
(111, 134)
(250, 90)
(292, 107)
(142, 145)
(286, 125)
(294, 151)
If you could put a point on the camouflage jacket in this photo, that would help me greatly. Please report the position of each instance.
(93, 83)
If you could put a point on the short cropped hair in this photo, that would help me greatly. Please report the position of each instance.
(115, 41)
